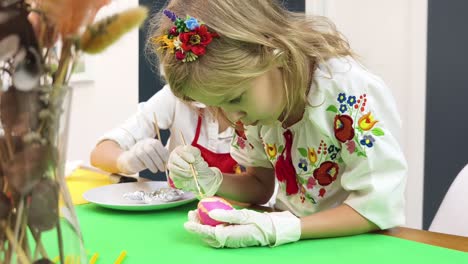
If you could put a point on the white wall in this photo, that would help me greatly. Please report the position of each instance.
(111, 97)
(390, 37)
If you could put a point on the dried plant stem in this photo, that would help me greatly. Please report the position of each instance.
(65, 57)
(25, 245)
(41, 126)
(42, 31)
(3, 160)
(19, 216)
(5, 181)
(5, 186)
(15, 246)
(60, 241)
(7, 251)
(74, 62)
(23, 232)
(63, 67)
(39, 246)
(23, 241)
(46, 54)
(3, 246)
(9, 144)
(3, 152)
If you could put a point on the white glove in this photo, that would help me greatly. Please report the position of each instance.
(209, 178)
(248, 228)
(145, 154)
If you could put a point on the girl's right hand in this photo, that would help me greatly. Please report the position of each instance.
(209, 178)
(145, 154)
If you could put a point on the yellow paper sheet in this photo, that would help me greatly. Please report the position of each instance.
(82, 180)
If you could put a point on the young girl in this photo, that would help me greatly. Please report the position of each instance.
(316, 120)
(132, 147)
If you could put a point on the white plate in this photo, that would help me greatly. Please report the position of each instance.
(111, 196)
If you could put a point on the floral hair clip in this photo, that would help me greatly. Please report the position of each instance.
(188, 38)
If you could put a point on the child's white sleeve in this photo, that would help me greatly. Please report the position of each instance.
(377, 182)
(376, 169)
(140, 125)
(248, 149)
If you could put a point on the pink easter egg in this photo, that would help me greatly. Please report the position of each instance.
(210, 203)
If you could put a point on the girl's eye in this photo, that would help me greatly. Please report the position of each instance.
(236, 100)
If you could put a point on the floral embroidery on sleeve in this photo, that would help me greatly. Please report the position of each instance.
(318, 168)
(239, 169)
(240, 140)
(272, 151)
(357, 136)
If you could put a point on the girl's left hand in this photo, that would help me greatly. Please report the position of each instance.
(246, 228)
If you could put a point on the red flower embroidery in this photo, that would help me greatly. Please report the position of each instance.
(303, 192)
(322, 192)
(343, 128)
(311, 182)
(326, 173)
(351, 146)
(241, 142)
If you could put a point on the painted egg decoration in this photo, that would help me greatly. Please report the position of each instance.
(210, 203)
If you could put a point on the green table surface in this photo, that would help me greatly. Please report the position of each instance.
(159, 237)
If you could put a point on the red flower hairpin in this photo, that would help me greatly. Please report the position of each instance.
(188, 38)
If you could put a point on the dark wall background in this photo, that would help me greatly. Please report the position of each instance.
(446, 102)
(149, 82)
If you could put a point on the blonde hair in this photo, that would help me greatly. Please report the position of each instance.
(255, 36)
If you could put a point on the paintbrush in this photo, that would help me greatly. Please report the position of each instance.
(194, 173)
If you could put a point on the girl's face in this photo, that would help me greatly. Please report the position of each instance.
(262, 102)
